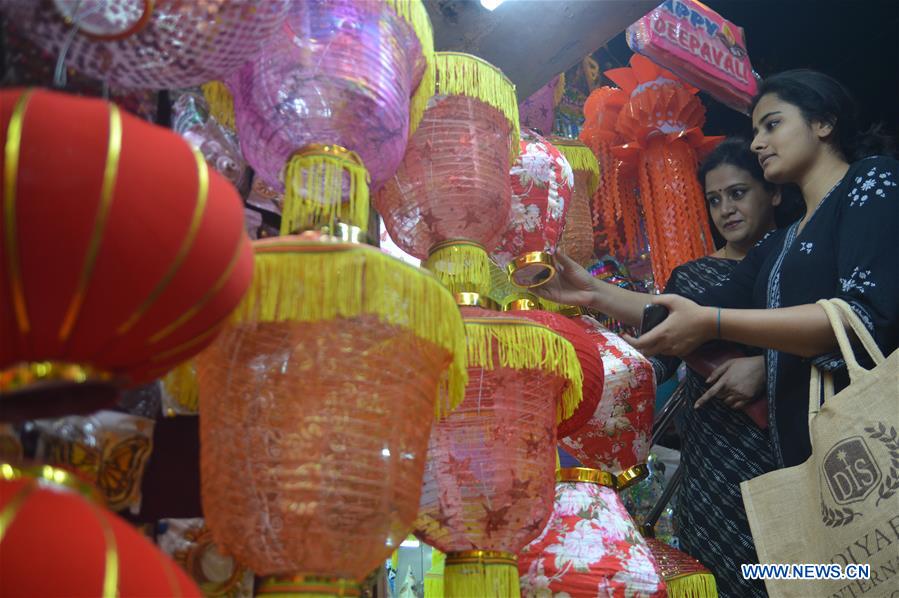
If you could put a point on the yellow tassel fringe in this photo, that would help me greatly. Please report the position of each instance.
(461, 266)
(310, 282)
(580, 158)
(525, 345)
(220, 102)
(434, 587)
(181, 385)
(695, 585)
(481, 580)
(314, 191)
(464, 74)
(415, 13)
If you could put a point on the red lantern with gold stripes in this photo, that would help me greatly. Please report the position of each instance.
(122, 252)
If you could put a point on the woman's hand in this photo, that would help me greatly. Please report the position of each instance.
(687, 326)
(737, 382)
(572, 284)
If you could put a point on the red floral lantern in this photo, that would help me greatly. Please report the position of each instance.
(542, 183)
(56, 542)
(91, 196)
(577, 235)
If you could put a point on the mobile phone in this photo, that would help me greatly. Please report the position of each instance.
(653, 315)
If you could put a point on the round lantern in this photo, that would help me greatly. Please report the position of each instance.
(149, 44)
(316, 405)
(488, 480)
(91, 197)
(577, 235)
(590, 546)
(542, 183)
(324, 112)
(56, 542)
(616, 438)
(450, 198)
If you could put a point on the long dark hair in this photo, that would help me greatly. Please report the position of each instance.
(821, 98)
(735, 151)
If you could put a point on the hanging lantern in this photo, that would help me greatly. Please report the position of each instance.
(542, 183)
(56, 542)
(684, 576)
(660, 124)
(324, 112)
(577, 235)
(315, 408)
(616, 439)
(149, 44)
(488, 480)
(91, 196)
(590, 546)
(450, 198)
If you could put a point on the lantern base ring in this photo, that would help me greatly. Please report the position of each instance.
(531, 269)
(51, 475)
(341, 232)
(39, 389)
(632, 475)
(588, 475)
(486, 557)
(475, 300)
(527, 303)
(285, 586)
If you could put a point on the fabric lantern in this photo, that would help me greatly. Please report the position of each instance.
(577, 235)
(591, 546)
(542, 183)
(315, 409)
(91, 196)
(56, 542)
(451, 196)
(149, 44)
(684, 576)
(539, 110)
(324, 112)
(616, 439)
(660, 124)
(488, 479)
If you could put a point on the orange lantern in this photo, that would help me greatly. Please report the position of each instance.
(577, 235)
(488, 483)
(122, 254)
(56, 542)
(316, 403)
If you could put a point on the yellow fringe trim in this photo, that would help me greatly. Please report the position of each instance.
(462, 267)
(559, 91)
(314, 191)
(181, 385)
(525, 345)
(301, 281)
(415, 13)
(220, 102)
(464, 74)
(480, 580)
(501, 288)
(434, 576)
(580, 158)
(695, 585)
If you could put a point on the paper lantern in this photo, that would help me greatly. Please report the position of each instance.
(684, 576)
(92, 198)
(316, 405)
(325, 109)
(488, 479)
(539, 110)
(590, 546)
(577, 235)
(617, 437)
(660, 124)
(542, 183)
(56, 542)
(149, 44)
(451, 197)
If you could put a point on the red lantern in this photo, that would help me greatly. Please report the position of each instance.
(55, 542)
(122, 253)
(542, 183)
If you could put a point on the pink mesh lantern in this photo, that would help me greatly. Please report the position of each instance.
(542, 183)
(450, 197)
(325, 109)
(149, 44)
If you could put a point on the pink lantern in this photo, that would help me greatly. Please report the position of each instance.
(542, 184)
(149, 44)
(325, 109)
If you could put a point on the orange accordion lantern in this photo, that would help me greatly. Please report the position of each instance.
(542, 184)
(577, 235)
(56, 542)
(488, 481)
(450, 198)
(316, 403)
(91, 197)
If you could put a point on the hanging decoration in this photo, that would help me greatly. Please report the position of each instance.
(684, 576)
(538, 112)
(83, 183)
(577, 235)
(450, 198)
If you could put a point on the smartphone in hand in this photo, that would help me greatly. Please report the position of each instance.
(653, 315)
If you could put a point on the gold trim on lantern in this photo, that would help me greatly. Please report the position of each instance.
(475, 300)
(110, 173)
(52, 475)
(25, 374)
(149, 7)
(528, 303)
(531, 258)
(588, 475)
(486, 557)
(285, 586)
(220, 102)
(632, 475)
(342, 232)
